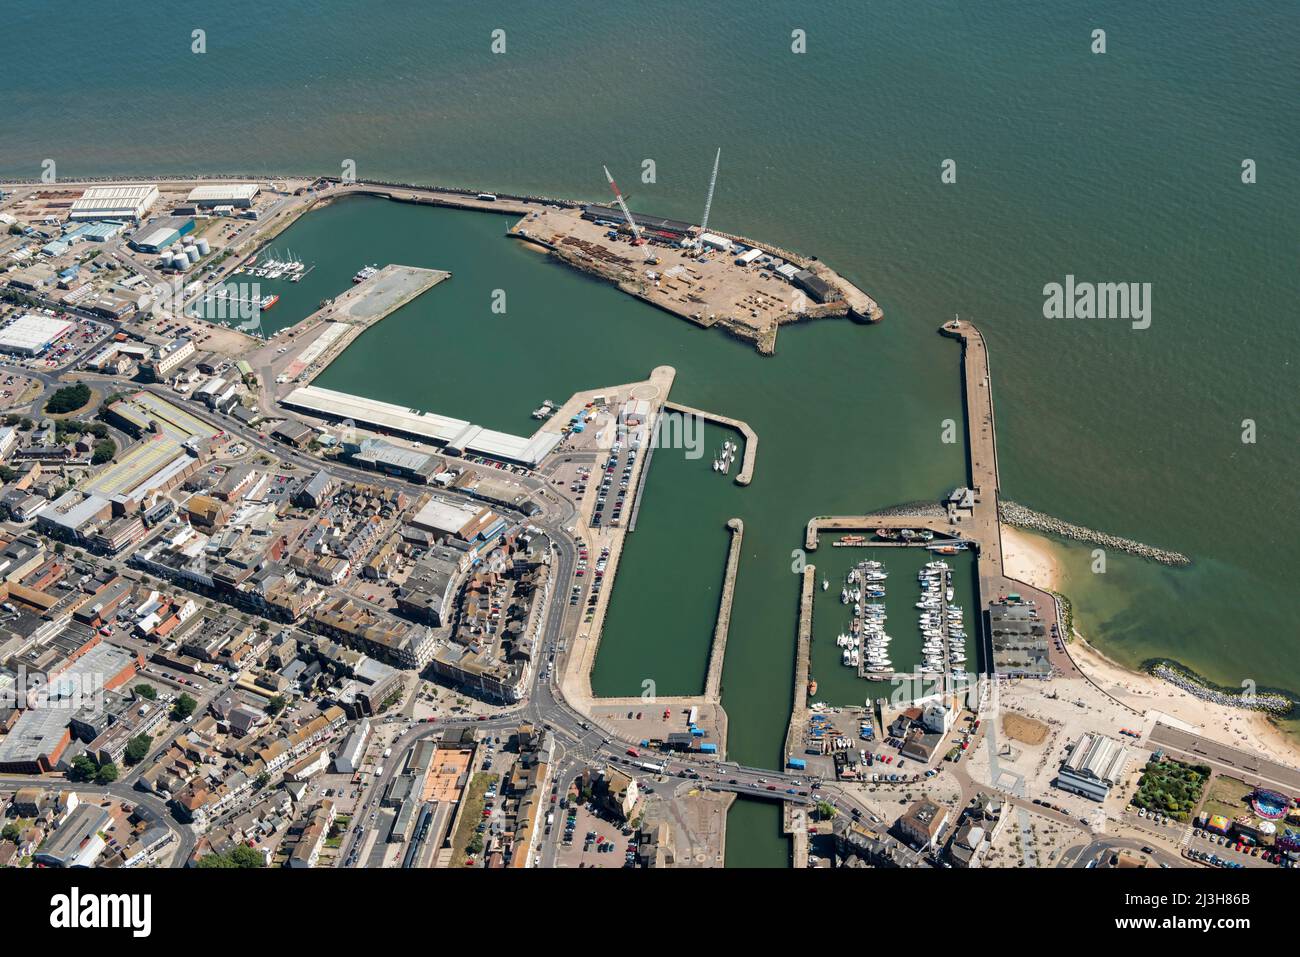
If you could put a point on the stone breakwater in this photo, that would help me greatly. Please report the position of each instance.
(1021, 517)
(1270, 702)
(919, 509)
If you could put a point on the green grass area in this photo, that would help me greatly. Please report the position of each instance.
(471, 815)
(1227, 796)
(1172, 787)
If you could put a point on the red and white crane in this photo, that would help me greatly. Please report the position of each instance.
(637, 238)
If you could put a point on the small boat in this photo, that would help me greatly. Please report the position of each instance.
(812, 687)
(852, 539)
(825, 584)
(888, 534)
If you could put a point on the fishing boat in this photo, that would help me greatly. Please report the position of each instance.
(852, 539)
(943, 549)
(812, 688)
(888, 534)
(267, 302)
(365, 273)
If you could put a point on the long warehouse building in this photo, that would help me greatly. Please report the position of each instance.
(457, 436)
(124, 201)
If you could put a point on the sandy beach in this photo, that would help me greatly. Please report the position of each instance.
(1029, 558)
(1249, 730)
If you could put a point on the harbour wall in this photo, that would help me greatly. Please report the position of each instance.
(746, 473)
(718, 653)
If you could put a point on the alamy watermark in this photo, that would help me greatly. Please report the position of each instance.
(37, 691)
(1130, 301)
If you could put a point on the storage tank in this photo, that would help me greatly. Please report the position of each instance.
(192, 254)
(204, 248)
(180, 261)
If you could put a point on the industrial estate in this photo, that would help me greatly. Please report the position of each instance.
(250, 621)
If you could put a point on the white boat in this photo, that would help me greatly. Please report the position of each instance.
(844, 596)
(825, 584)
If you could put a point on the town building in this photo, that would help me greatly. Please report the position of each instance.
(1094, 766)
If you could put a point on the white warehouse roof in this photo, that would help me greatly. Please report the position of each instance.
(441, 429)
(31, 334)
(105, 202)
(223, 192)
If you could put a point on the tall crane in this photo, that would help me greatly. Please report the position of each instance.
(708, 203)
(637, 238)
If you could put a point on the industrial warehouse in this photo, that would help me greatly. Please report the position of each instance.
(457, 436)
(126, 201)
(31, 335)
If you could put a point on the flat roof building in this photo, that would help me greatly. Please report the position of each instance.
(223, 194)
(457, 435)
(31, 335)
(77, 842)
(120, 201)
(158, 234)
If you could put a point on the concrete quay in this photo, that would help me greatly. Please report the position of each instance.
(746, 473)
(358, 309)
(718, 651)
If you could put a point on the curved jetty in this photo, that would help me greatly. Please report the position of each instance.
(746, 473)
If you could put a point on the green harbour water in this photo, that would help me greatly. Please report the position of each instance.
(1116, 167)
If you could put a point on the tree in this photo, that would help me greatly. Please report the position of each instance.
(83, 769)
(262, 780)
(241, 856)
(105, 449)
(106, 774)
(137, 748)
(68, 399)
(184, 707)
(276, 705)
(475, 844)
(11, 832)
(825, 810)
(148, 692)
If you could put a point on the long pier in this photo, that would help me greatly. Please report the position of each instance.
(718, 652)
(746, 473)
(802, 661)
